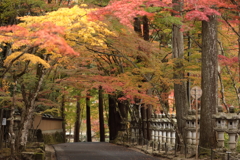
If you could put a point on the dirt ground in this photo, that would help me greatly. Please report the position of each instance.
(50, 152)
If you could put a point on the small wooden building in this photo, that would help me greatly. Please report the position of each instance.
(47, 123)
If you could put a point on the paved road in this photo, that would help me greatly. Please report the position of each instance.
(97, 151)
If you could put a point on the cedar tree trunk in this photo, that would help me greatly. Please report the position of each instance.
(63, 117)
(137, 26)
(77, 121)
(144, 122)
(113, 117)
(209, 82)
(88, 114)
(1, 130)
(101, 117)
(145, 28)
(149, 92)
(180, 87)
(239, 53)
(149, 115)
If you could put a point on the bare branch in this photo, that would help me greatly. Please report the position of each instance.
(222, 92)
(11, 63)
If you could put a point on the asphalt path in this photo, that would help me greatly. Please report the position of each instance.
(98, 151)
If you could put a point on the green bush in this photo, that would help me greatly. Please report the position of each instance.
(53, 138)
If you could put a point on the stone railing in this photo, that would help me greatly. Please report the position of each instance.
(134, 132)
(163, 132)
(227, 125)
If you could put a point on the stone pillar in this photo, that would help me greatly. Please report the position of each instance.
(160, 128)
(153, 129)
(189, 133)
(173, 137)
(168, 132)
(233, 121)
(168, 137)
(160, 133)
(221, 126)
(194, 137)
(193, 127)
(164, 134)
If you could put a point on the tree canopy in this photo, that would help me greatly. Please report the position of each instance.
(138, 51)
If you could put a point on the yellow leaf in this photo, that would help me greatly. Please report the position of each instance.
(25, 57)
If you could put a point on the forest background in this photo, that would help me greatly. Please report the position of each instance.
(57, 57)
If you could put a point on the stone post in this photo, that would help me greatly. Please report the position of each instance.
(160, 128)
(193, 127)
(233, 121)
(221, 126)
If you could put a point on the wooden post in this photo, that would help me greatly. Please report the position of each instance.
(196, 124)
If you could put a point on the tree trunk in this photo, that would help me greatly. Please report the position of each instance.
(137, 26)
(180, 87)
(209, 82)
(239, 54)
(77, 121)
(101, 117)
(1, 130)
(113, 118)
(88, 114)
(144, 122)
(63, 118)
(123, 113)
(11, 125)
(188, 74)
(145, 28)
(29, 102)
(149, 116)
(26, 126)
(149, 92)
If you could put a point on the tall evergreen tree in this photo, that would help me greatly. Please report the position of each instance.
(77, 121)
(209, 82)
(88, 116)
(101, 117)
(180, 86)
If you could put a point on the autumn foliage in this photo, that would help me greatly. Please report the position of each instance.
(82, 48)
